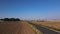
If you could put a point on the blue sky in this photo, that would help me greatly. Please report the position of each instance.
(30, 9)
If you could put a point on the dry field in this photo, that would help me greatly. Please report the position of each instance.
(15, 28)
(51, 23)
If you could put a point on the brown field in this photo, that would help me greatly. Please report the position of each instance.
(51, 23)
(15, 28)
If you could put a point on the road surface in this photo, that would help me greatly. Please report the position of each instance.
(44, 30)
(15, 28)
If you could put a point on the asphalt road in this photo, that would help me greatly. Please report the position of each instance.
(44, 30)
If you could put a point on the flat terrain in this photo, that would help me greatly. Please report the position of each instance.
(15, 28)
(54, 24)
(44, 30)
(23, 27)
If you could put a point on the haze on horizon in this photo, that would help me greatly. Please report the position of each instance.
(30, 9)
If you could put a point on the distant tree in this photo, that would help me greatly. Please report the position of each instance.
(1, 19)
(14, 19)
(10, 19)
(17, 19)
(6, 19)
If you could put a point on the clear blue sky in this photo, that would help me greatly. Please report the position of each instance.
(30, 9)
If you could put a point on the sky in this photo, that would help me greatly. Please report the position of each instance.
(30, 9)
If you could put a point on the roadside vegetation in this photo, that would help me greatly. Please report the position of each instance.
(35, 29)
(48, 24)
(51, 27)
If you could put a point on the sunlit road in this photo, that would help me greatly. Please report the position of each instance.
(15, 28)
(44, 30)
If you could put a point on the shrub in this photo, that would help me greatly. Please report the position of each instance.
(10, 19)
(6, 19)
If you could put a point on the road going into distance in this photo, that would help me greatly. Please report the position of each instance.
(44, 30)
(15, 28)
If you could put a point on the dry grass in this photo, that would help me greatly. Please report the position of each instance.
(35, 29)
(54, 24)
